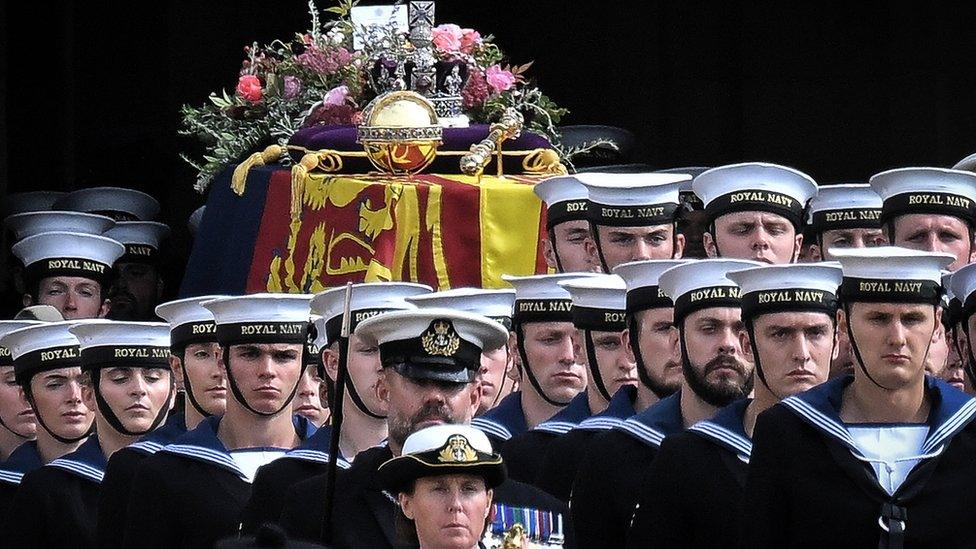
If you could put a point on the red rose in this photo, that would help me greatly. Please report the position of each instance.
(249, 88)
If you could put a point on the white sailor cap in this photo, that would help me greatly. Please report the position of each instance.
(848, 206)
(755, 186)
(701, 284)
(891, 274)
(31, 223)
(565, 199)
(433, 343)
(261, 318)
(116, 202)
(788, 288)
(926, 191)
(140, 238)
(642, 277)
(42, 347)
(687, 193)
(540, 298)
(632, 199)
(189, 321)
(367, 300)
(962, 285)
(952, 310)
(193, 222)
(108, 343)
(7, 326)
(494, 304)
(599, 302)
(68, 254)
(443, 450)
(32, 201)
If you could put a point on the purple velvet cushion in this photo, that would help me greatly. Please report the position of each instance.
(343, 138)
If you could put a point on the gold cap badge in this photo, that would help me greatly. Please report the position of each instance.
(440, 339)
(457, 450)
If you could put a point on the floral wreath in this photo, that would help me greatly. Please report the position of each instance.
(318, 78)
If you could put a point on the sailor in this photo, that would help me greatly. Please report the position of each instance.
(882, 458)
(691, 494)
(70, 271)
(755, 211)
(633, 216)
(128, 384)
(311, 399)
(47, 367)
(138, 277)
(844, 216)
(431, 359)
(930, 209)
(201, 482)
(193, 353)
(546, 347)
(958, 371)
(497, 376)
(17, 424)
(116, 202)
(364, 414)
(716, 373)
(566, 225)
(599, 314)
(446, 475)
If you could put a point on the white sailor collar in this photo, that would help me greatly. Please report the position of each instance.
(656, 422)
(315, 449)
(504, 421)
(201, 444)
(951, 410)
(87, 462)
(620, 408)
(726, 429)
(575, 412)
(24, 459)
(153, 442)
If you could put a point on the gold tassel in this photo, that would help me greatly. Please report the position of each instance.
(298, 175)
(271, 153)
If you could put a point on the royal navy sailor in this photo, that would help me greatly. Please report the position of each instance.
(691, 494)
(755, 211)
(568, 231)
(201, 482)
(716, 373)
(364, 415)
(138, 278)
(882, 458)
(844, 216)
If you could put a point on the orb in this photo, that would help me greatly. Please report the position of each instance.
(400, 133)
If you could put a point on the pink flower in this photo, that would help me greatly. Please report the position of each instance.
(324, 62)
(336, 96)
(249, 88)
(499, 79)
(469, 39)
(475, 90)
(292, 87)
(447, 37)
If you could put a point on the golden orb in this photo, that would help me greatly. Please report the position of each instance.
(400, 132)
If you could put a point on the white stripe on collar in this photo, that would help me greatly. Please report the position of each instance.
(316, 456)
(146, 446)
(11, 477)
(491, 427)
(81, 469)
(556, 427)
(742, 445)
(955, 422)
(206, 454)
(600, 423)
(652, 437)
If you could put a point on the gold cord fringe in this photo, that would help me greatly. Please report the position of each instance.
(238, 180)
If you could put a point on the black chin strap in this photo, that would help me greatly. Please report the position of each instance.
(188, 389)
(594, 365)
(114, 421)
(240, 396)
(527, 370)
(43, 424)
(351, 385)
(750, 329)
(555, 250)
(857, 352)
(599, 247)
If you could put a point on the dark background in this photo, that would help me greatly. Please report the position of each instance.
(90, 92)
